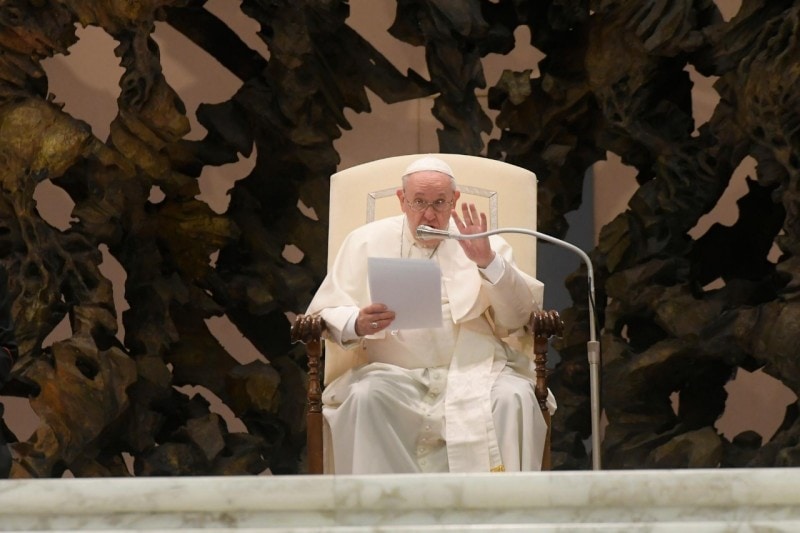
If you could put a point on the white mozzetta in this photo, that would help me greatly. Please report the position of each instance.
(658, 500)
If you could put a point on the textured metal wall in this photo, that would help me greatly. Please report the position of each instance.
(613, 80)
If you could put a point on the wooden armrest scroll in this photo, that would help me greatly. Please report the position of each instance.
(545, 324)
(308, 330)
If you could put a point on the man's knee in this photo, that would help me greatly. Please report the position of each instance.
(513, 392)
(371, 392)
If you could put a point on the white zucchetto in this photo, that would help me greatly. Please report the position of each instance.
(429, 163)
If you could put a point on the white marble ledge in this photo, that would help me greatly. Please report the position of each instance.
(643, 500)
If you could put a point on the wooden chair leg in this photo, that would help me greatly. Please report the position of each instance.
(308, 330)
(544, 324)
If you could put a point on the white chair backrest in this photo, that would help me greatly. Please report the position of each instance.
(505, 192)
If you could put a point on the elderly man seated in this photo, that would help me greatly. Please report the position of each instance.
(454, 398)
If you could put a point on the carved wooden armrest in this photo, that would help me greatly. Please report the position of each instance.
(544, 324)
(308, 330)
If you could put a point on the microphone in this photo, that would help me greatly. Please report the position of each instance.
(427, 232)
(592, 346)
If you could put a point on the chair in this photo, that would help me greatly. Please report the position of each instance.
(366, 192)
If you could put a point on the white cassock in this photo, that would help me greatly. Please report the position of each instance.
(449, 399)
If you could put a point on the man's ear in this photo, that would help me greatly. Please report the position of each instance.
(400, 196)
(456, 196)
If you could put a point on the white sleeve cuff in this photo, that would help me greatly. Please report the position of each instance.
(340, 322)
(349, 332)
(494, 270)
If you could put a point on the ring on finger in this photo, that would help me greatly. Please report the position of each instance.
(374, 325)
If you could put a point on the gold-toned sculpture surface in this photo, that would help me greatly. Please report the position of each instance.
(614, 80)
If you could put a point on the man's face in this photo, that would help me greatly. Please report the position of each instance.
(428, 199)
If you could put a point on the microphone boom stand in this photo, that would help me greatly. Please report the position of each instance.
(592, 346)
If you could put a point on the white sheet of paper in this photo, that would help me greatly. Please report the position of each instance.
(412, 288)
